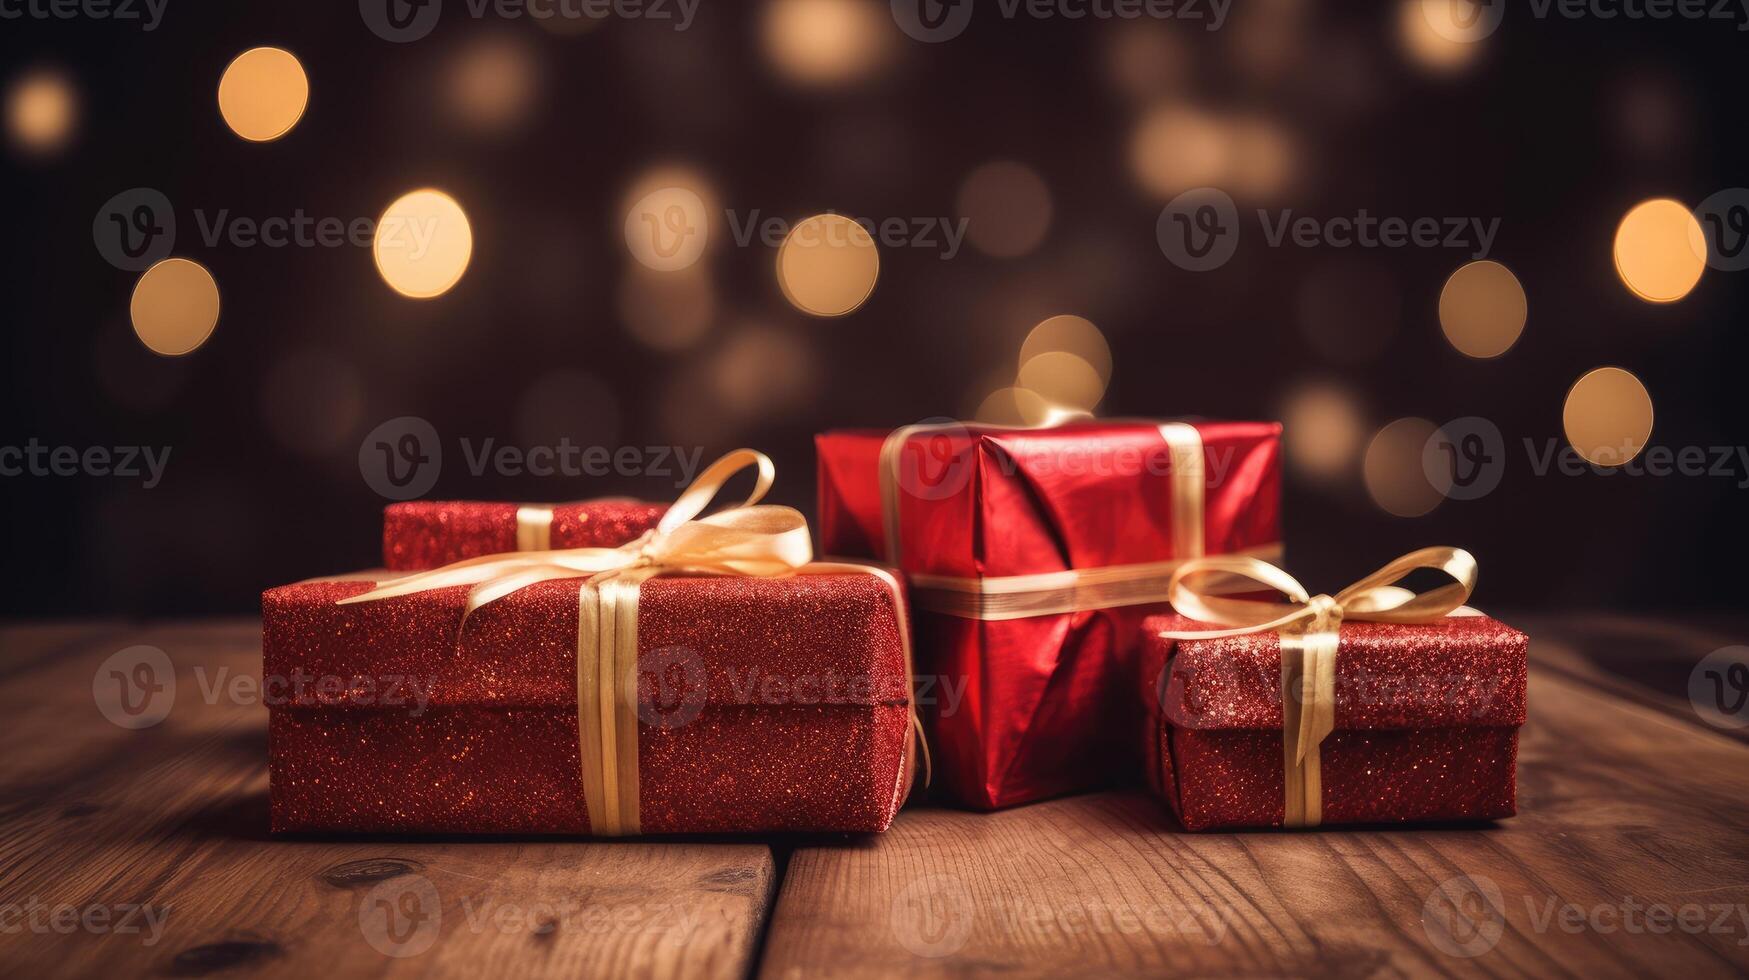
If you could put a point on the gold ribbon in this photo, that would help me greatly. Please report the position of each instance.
(747, 539)
(534, 527)
(1309, 627)
(1002, 597)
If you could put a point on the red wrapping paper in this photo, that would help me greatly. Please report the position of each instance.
(1427, 720)
(1026, 709)
(425, 534)
(765, 705)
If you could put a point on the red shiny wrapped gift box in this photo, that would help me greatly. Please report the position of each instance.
(423, 534)
(1033, 556)
(1426, 723)
(762, 704)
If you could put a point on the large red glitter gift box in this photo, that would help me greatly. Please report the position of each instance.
(1033, 556)
(708, 678)
(1381, 713)
(422, 534)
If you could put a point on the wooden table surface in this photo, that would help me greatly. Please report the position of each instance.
(145, 851)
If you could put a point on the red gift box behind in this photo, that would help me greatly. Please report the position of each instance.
(1034, 706)
(765, 704)
(423, 534)
(1427, 719)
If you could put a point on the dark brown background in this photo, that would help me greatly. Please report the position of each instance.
(1541, 133)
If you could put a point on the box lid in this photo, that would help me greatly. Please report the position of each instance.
(799, 640)
(983, 500)
(1462, 671)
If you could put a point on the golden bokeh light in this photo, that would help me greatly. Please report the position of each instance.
(1322, 431)
(1007, 208)
(1608, 416)
(42, 111)
(1175, 148)
(423, 244)
(175, 307)
(263, 93)
(827, 42)
(762, 371)
(827, 265)
(1482, 309)
(1396, 478)
(1064, 380)
(1660, 250)
(493, 82)
(667, 228)
(1014, 406)
(1441, 36)
(1070, 334)
(667, 311)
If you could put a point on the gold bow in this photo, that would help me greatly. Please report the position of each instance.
(1308, 627)
(747, 539)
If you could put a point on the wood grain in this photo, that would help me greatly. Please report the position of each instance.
(1626, 801)
(1620, 805)
(168, 825)
(1637, 658)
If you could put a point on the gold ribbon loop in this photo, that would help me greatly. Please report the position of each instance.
(1307, 626)
(746, 539)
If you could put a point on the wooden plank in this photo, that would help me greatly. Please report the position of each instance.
(133, 852)
(1620, 807)
(1637, 658)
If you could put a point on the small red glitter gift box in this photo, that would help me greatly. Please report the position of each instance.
(708, 677)
(422, 534)
(1305, 717)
